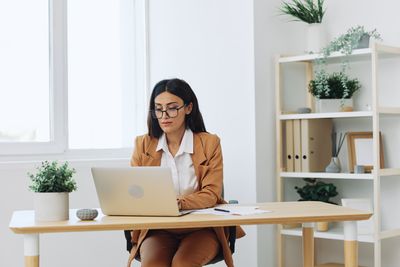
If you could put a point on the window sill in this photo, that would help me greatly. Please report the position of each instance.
(77, 158)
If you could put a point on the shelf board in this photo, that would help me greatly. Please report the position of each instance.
(335, 233)
(352, 114)
(360, 54)
(325, 175)
(390, 233)
(331, 265)
(386, 51)
(389, 110)
(389, 172)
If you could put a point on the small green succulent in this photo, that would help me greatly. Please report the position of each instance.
(306, 11)
(333, 86)
(53, 178)
(315, 190)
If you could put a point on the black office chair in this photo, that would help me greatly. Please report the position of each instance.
(217, 258)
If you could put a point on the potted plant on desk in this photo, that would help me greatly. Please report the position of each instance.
(315, 190)
(51, 186)
(334, 91)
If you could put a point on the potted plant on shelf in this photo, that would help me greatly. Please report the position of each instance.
(310, 12)
(315, 190)
(334, 91)
(355, 38)
(51, 185)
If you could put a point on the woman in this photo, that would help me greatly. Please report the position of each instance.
(177, 138)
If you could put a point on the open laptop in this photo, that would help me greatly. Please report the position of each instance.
(136, 191)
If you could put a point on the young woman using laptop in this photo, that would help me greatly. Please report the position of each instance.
(177, 138)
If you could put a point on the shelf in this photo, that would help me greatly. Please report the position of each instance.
(335, 233)
(352, 114)
(389, 172)
(372, 57)
(360, 54)
(331, 265)
(389, 110)
(324, 175)
(390, 233)
(387, 49)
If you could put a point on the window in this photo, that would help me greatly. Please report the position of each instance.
(24, 64)
(76, 75)
(101, 73)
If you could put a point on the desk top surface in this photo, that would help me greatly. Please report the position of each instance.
(23, 222)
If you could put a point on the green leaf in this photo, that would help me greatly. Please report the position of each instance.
(306, 11)
(53, 178)
(315, 190)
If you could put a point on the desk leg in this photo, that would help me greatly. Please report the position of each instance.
(308, 244)
(31, 250)
(350, 244)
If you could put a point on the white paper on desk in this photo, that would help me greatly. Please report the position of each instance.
(233, 210)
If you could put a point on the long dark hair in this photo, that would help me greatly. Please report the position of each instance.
(193, 121)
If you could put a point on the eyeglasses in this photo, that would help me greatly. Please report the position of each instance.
(171, 112)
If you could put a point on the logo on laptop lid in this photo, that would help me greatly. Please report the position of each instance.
(136, 191)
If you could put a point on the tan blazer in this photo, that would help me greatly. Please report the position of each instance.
(208, 166)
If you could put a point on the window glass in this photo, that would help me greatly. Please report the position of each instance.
(100, 73)
(24, 68)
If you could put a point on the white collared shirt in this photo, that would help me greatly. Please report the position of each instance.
(183, 174)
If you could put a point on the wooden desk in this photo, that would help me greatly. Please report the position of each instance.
(23, 222)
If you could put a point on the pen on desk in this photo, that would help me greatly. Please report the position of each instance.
(217, 209)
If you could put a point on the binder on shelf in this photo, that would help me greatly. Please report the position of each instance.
(297, 145)
(289, 146)
(316, 144)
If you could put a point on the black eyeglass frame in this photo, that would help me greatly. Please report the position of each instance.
(153, 112)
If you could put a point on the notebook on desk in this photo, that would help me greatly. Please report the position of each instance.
(136, 191)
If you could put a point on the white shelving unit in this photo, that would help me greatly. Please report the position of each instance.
(369, 55)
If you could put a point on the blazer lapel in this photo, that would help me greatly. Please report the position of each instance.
(198, 156)
(151, 157)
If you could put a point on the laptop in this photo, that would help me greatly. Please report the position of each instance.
(136, 191)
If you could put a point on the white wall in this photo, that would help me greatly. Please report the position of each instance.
(210, 44)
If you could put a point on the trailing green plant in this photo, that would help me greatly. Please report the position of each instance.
(333, 86)
(315, 190)
(307, 11)
(349, 41)
(53, 178)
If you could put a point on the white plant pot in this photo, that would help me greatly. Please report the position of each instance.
(333, 105)
(316, 37)
(51, 206)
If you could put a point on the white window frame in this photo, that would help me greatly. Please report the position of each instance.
(57, 147)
